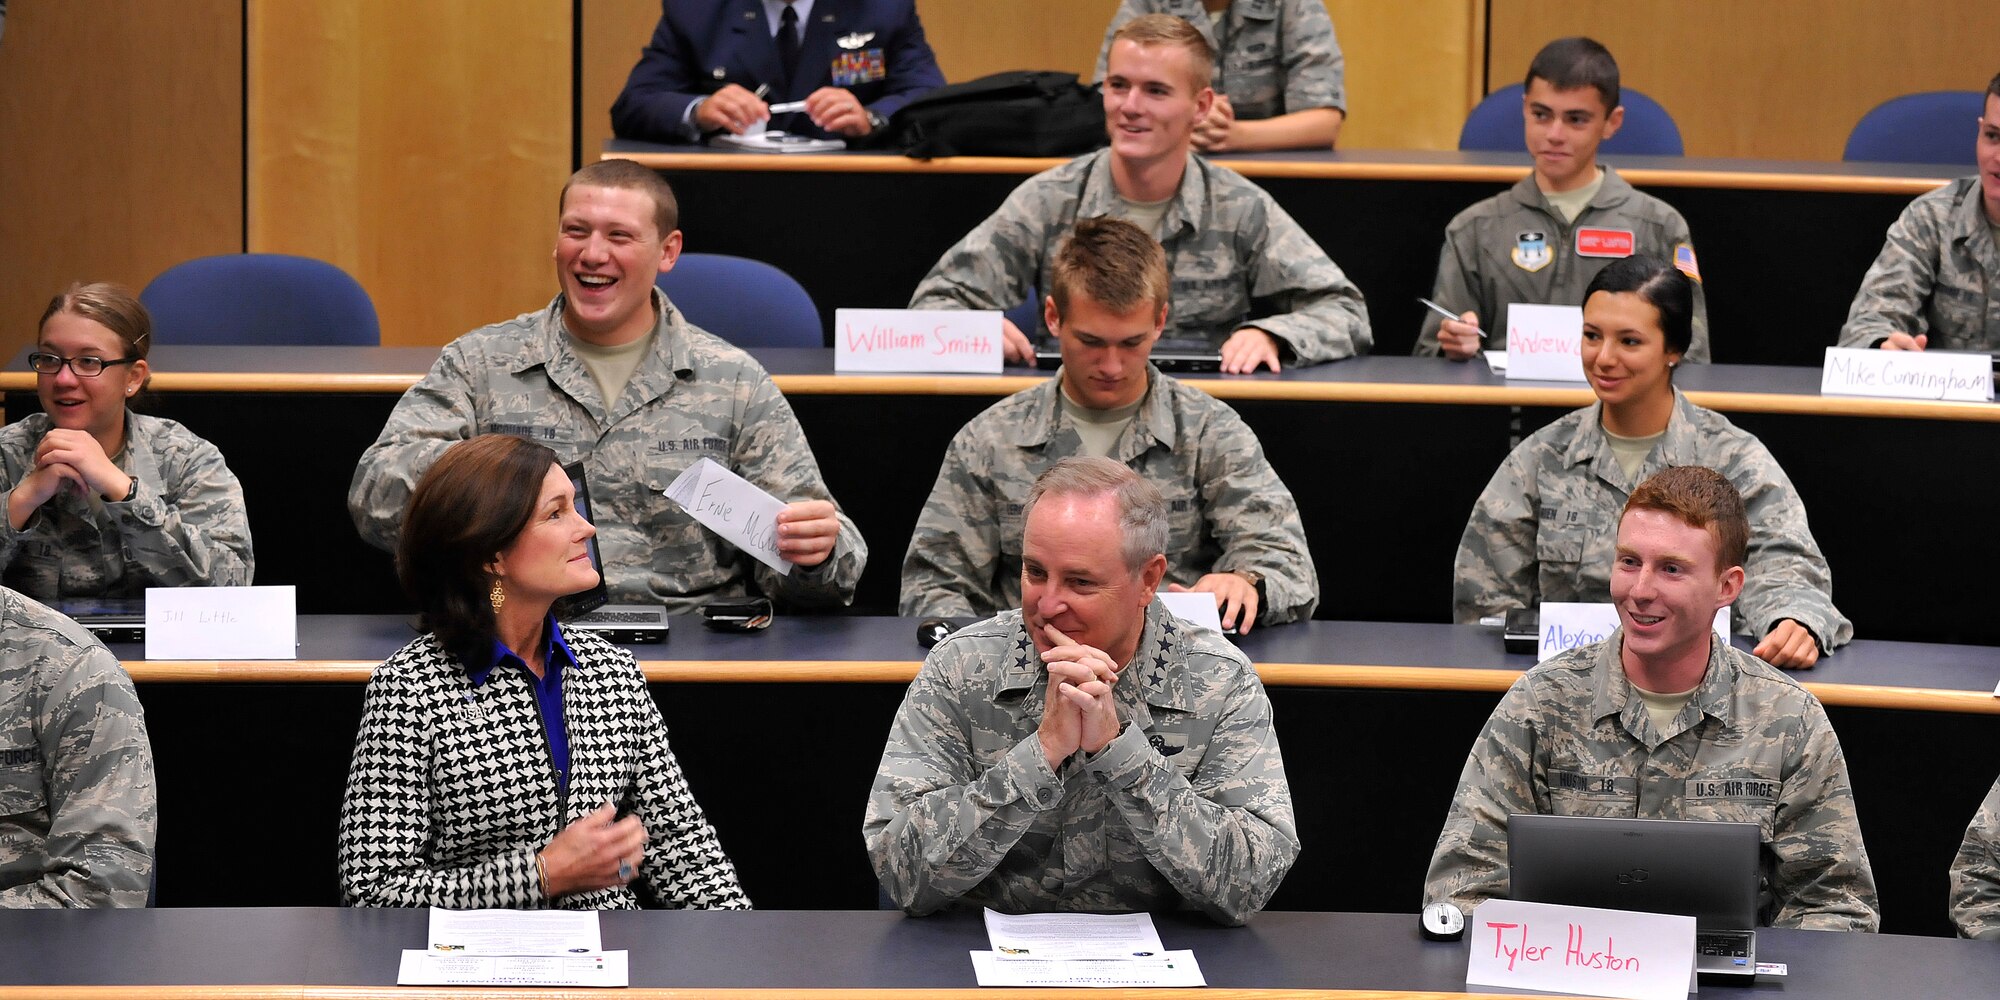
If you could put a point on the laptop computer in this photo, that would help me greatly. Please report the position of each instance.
(1173, 355)
(1703, 870)
(587, 610)
(110, 619)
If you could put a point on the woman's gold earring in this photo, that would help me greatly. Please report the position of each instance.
(496, 596)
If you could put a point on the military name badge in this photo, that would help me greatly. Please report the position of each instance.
(1603, 242)
(1531, 251)
(864, 66)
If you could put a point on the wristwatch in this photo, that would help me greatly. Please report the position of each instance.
(876, 122)
(131, 491)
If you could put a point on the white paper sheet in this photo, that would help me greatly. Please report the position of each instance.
(514, 932)
(733, 507)
(1193, 608)
(222, 623)
(1576, 949)
(429, 968)
(1073, 935)
(1173, 968)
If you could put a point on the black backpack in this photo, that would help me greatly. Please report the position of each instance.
(1017, 113)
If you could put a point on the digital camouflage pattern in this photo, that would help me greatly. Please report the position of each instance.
(1187, 807)
(77, 795)
(1975, 873)
(1572, 738)
(185, 525)
(1274, 56)
(1938, 274)
(693, 397)
(1489, 260)
(1227, 510)
(1546, 527)
(1236, 259)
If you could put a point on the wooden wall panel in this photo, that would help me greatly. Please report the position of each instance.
(121, 138)
(1413, 69)
(417, 143)
(614, 33)
(1778, 79)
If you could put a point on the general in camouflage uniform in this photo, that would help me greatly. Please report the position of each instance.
(966, 810)
(183, 525)
(77, 809)
(1237, 259)
(1227, 509)
(1274, 56)
(1938, 275)
(693, 397)
(1975, 873)
(1546, 526)
(1514, 247)
(1573, 738)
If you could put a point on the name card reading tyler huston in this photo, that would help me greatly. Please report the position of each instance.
(222, 623)
(1956, 375)
(1565, 625)
(1544, 343)
(1578, 949)
(916, 340)
(733, 507)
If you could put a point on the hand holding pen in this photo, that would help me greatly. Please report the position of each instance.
(1458, 335)
(732, 109)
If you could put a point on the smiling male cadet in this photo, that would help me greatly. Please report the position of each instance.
(612, 375)
(1246, 278)
(1541, 241)
(1234, 530)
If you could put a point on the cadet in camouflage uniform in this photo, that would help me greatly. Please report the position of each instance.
(103, 502)
(1975, 873)
(1239, 262)
(691, 396)
(1233, 526)
(1281, 74)
(1179, 800)
(1542, 241)
(1936, 282)
(77, 810)
(1578, 736)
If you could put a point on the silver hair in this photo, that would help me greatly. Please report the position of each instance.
(1142, 512)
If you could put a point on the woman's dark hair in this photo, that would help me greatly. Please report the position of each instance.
(1663, 287)
(471, 504)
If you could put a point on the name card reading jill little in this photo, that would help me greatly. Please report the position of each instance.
(733, 507)
(1565, 625)
(1544, 343)
(222, 623)
(1577, 949)
(1852, 371)
(916, 340)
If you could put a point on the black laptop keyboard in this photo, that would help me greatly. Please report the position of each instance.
(618, 617)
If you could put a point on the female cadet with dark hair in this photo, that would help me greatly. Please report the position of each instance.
(101, 501)
(502, 761)
(1545, 527)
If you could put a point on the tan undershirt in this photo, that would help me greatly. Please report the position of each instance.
(1099, 429)
(1144, 214)
(611, 367)
(1631, 452)
(1663, 707)
(1571, 204)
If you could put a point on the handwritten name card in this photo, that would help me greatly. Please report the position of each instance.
(916, 340)
(1193, 607)
(222, 623)
(1953, 375)
(1566, 625)
(733, 507)
(1577, 949)
(1544, 343)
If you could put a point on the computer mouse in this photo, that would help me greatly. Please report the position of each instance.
(1441, 922)
(931, 631)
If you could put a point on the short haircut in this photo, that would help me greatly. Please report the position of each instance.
(1166, 29)
(1142, 512)
(1662, 285)
(1993, 86)
(1110, 262)
(632, 177)
(471, 503)
(1569, 63)
(112, 307)
(1699, 498)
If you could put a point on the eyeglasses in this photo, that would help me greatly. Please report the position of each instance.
(84, 367)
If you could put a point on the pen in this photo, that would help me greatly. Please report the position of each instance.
(1448, 314)
(789, 107)
(762, 89)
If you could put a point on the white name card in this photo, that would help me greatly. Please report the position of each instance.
(1852, 371)
(1566, 625)
(1577, 949)
(733, 507)
(916, 340)
(1194, 608)
(1545, 343)
(222, 623)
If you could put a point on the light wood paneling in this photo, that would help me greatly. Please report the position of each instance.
(417, 143)
(1413, 70)
(121, 138)
(614, 33)
(1779, 79)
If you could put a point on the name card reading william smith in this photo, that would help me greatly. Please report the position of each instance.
(916, 340)
(733, 507)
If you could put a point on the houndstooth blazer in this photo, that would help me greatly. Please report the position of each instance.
(451, 792)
